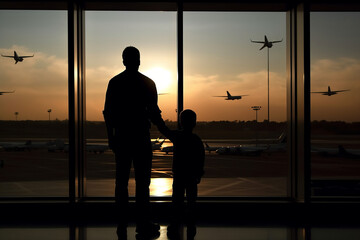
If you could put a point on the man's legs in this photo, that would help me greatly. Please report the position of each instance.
(123, 166)
(142, 167)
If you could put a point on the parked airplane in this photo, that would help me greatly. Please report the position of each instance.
(340, 151)
(266, 43)
(16, 57)
(156, 144)
(14, 146)
(209, 149)
(231, 97)
(1, 93)
(167, 149)
(275, 145)
(60, 145)
(329, 92)
(96, 148)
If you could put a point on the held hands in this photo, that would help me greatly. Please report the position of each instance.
(198, 180)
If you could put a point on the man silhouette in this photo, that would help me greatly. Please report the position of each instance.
(130, 106)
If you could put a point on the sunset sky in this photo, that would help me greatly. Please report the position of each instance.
(218, 56)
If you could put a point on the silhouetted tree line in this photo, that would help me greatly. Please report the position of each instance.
(211, 129)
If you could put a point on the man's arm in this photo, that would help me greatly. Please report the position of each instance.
(153, 108)
(169, 134)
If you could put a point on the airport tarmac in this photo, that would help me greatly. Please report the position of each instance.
(42, 173)
(160, 187)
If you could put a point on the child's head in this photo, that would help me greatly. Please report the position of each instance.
(188, 119)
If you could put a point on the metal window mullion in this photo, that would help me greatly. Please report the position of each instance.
(72, 102)
(299, 100)
(76, 102)
(81, 102)
(180, 59)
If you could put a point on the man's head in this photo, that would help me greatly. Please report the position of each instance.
(188, 119)
(131, 58)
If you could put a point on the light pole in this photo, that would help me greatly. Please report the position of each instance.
(49, 111)
(256, 109)
(268, 82)
(268, 44)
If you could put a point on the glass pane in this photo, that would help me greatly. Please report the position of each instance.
(107, 35)
(227, 81)
(34, 107)
(335, 119)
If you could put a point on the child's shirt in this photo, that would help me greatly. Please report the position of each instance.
(189, 154)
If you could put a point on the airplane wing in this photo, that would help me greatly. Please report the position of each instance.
(26, 56)
(6, 92)
(277, 41)
(7, 56)
(220, 96)
(342, 90)
(319, 92)
(257, 41)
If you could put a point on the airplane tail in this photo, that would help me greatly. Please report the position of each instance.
(329, 90)
(206, 145)
(282, 137)
(266, 40)
(228, 94)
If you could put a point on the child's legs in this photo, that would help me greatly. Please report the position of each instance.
(178, 199)
(191, 197)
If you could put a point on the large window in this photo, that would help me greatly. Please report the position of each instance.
(107, 35)
(235, 84)
(237, 87)
(33, 103)
(335, 119)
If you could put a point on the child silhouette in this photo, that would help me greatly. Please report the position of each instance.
(188, 168)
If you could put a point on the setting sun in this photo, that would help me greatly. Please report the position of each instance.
(161, 77)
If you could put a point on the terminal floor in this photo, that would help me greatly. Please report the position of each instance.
(204, 232)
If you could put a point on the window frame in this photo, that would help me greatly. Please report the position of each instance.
(298, 80)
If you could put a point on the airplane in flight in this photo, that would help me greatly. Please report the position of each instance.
(266, 43)
(2, 93)
(17, 58)
(329, 92)
(231, 97)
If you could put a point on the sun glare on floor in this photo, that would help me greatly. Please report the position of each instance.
(161, 187)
